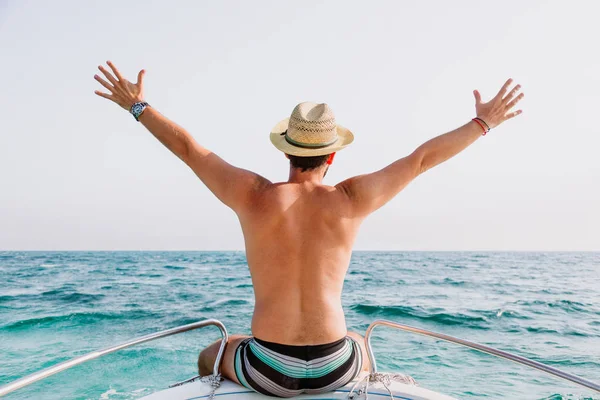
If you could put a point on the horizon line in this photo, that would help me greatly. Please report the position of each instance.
(242, 250)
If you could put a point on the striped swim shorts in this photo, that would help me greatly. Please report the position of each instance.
(285, 371)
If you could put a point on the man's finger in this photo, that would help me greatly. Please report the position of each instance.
(108, 75)
(504, 89)
(515, 101)
(141, 75)
(512, 93)
(104, 83)
(115, 70)
(105, 95)
(477, 96)
(512, 115)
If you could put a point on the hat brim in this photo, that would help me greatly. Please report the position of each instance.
(345, 137)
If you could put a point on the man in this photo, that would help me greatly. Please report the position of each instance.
(299, 235)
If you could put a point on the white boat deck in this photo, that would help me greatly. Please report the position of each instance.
(229, 390)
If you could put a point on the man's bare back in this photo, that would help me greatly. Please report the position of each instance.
(299, 239)
(299, 235)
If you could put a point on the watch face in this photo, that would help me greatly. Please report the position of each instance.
(137, 109)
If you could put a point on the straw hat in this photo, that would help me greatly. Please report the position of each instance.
(310, 131)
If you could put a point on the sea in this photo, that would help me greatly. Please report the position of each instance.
(58, 305)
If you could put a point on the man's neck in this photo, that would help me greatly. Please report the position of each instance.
(314, 176)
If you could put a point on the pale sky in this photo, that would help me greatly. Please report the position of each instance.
(77, 172)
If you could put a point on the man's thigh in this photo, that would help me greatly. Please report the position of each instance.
(366, 364)
(206, 361)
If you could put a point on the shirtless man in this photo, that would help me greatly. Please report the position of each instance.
(299, 235)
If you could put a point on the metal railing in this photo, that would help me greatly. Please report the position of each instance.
(489, 350)
(28, 380)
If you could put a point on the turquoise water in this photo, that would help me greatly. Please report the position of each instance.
(58, 305)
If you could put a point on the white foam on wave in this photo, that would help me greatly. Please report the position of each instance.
(109, 392)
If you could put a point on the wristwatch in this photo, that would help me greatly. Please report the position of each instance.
(137, 109)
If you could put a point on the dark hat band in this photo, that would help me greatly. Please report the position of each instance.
(308, 145)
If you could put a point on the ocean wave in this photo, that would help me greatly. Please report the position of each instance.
(448, 281)
(150, 275)
(567, 362)
(74, 297)
(419, 313)
(55, 295)
(504, 313)
(77, 319)
(565, 332)
(244, 285)
(174, 267)
(5, 298)
(563, 305)
(224, 304)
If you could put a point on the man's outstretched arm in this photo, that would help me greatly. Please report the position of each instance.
(233, 186)
(371, 191)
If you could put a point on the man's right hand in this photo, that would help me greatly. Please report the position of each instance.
(497, 110)
(122, 92)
